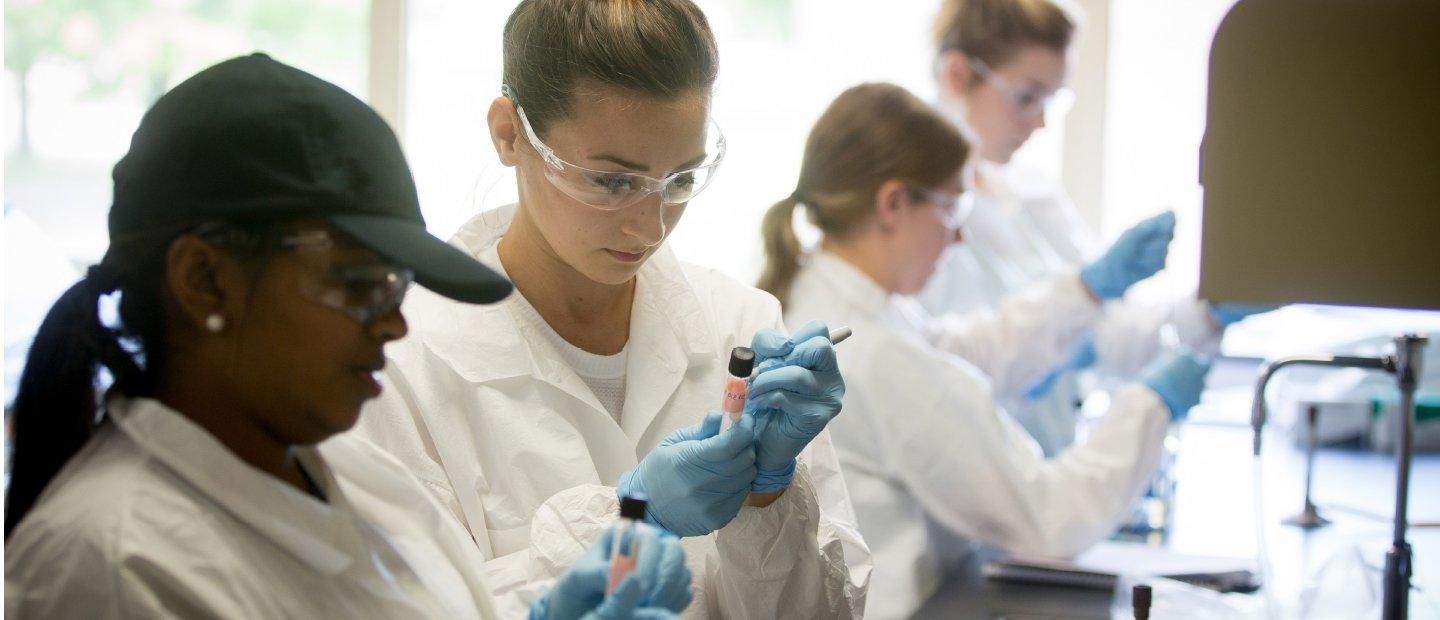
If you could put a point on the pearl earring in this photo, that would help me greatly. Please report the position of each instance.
(215, 323)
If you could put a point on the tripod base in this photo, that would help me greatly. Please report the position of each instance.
(1309, 518)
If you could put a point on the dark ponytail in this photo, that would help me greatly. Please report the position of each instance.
(56, 409)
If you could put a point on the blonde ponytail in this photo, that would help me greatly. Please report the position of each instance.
(782, 248)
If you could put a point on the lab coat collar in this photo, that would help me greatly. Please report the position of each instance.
(314, 532)
(998, 192)
(669, 332)
(848, 282)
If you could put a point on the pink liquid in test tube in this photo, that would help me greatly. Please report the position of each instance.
(620, 566)
(632, 511)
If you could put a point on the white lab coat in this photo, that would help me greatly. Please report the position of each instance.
(1021, 232)
(933, 464)
(156, 518)
(507, 436)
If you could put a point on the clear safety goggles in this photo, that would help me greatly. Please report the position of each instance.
(617, 190)
(953, 209)
(1028, 103)
(364, 291)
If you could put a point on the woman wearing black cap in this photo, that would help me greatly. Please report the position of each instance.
(263, 232)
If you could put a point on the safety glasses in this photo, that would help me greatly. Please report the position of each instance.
(953, 209)
(617, 190)
(1029, 104)
(364, 290)
(359, 285)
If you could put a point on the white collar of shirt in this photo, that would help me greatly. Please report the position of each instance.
(670, 330)
(849, 283)
(316, 533)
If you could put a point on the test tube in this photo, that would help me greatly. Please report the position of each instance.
(624, 546)
(742, 361)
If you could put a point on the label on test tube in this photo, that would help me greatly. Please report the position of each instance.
(742, 361)
(734, 403)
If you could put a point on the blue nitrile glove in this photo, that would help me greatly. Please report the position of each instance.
(697, 478)
(798, 392)
(1226, 314)
(1178, 378)
(1138, 254)
(624, 604)
(1081, 356)
(659, 587)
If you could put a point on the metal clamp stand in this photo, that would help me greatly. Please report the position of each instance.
(1409, 359)
(1406, 365)
(1309, 517)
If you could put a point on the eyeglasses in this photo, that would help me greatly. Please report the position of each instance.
(364, 292)
(953, 209)
(617, 190)
(1028, 104)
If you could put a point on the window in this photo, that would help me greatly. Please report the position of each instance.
(78, 77)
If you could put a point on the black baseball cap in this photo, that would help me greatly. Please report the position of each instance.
(253, 138)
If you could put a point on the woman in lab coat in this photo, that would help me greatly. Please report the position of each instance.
(930, 460)
(1001, 65)
(257, 291)
(528, 417)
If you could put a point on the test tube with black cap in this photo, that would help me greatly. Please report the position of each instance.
(1140, 600)
(742, 361)
(624, 547)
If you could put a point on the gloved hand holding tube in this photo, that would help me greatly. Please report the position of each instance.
(1138, 254)
(796, 392)
(1178, 378)
(658, 588)
(698, 478)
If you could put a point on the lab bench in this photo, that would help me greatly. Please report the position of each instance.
(1214, 515)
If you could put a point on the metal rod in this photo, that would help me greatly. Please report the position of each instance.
(1312, 437)
(1406, 366)
(1309, 515)
(1258, 411)
(1409, 357)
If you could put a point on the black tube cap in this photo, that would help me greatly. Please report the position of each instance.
(632, 508)
(1140, 600)
(742, 361)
